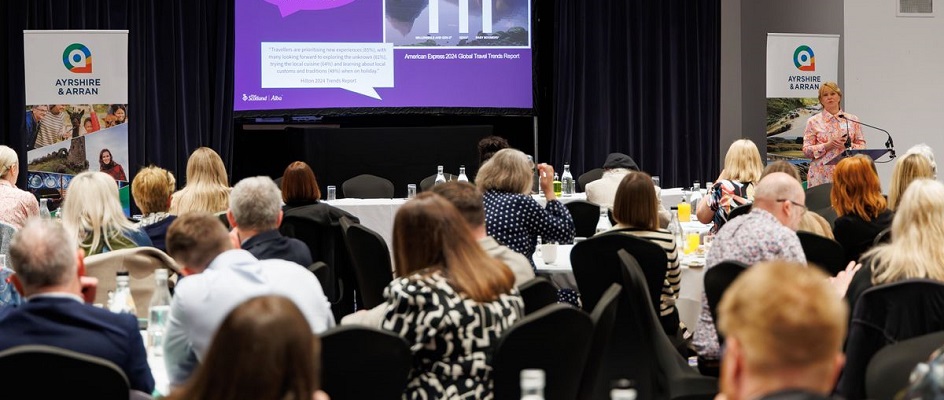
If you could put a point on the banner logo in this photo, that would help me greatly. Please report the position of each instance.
(803, 58)
(77, 58)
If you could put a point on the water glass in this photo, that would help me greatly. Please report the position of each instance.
(684, 212)
(549, 253)
(692, 242)
(332, 193)
(411, 191)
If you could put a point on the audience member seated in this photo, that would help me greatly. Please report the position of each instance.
(48, 265)
(490, 145)
(16, 206)
(815, 223)
(450, 301)
(766, 233)
(255, 213)
(861, 209)
(783, 327)
(219, 279)
(151, 190)
(915, 251)
(735, 185)
(264, 349)
(512, 217)
(925, 151)
(603, 191)
(468, 200)
(207, 188)
(93, 213)
(299, 186)
(782, 166)
(907, 169)
(636, 212)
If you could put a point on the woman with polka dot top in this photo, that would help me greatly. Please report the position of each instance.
(512, 217)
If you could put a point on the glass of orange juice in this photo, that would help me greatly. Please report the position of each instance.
(692, 242)
(684, 212)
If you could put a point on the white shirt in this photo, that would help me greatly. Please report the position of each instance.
(201, 302)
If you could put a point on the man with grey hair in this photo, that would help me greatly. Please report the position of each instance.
(255, 213)
(48, 265)
(768, 232)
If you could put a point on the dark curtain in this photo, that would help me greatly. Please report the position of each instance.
(639, 77)
(180, 66)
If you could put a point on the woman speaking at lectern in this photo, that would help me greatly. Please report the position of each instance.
(827, 134)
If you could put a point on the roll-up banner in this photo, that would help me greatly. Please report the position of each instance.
(76, 108)
(797, 64)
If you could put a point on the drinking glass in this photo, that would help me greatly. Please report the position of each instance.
(411, 191)
(684, 212)
(332, 193)
(549, 252)
(692, 242)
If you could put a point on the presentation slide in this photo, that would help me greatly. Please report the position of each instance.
(324, 54)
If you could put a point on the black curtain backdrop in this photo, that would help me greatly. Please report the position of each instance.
(641, 78)
(180, 72)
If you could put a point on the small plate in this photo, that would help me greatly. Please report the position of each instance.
(696, 264)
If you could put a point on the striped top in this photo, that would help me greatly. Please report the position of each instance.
(673, 274)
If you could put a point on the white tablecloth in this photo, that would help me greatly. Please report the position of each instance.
(692, 281)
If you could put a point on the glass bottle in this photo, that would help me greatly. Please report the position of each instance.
(158, 312)
(696, 195)
(622, 389)
(532, 384)
(557, 185)
(462, 176)
(536, 177)
(121, 300)
(567, 180)
(44, 209)
(604, 223)
(675, 227)
(440, 178)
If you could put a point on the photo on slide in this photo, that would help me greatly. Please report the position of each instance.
(786, 122)
(462, 23)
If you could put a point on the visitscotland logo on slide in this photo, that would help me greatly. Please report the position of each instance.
(77, 58)
(803, 58)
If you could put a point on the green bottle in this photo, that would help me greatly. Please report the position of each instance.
(557, 185)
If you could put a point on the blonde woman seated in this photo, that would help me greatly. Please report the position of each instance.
(93, 213)
(735, 185)
(16, 206)
(451, 301)
(907, 169)
(207, 188)
(636, 211)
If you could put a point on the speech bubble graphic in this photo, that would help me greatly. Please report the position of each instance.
(288, 7)
(356, 67)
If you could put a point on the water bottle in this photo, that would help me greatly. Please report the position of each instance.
(44, 209)
(567, 180)
(558, 185)
(604, 223)
(462, 176)
(532, 384)
(536, 177)
(696, 195)
(158, 312)
(676, 229)
(622, 389)
(440, 178)
(121, 301)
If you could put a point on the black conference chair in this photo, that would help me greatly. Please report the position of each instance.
(537, 293)
(370, 257)
(885, 315)
(359, 362)
(740, 210)
(823, 252)
(586, 215)
(672, 377)
(889, 370)
(427, 182)
(828, 213)
(555, 339)
(587, 177)
(717, 280)
(603, 317)
(46, 372)
(222, 217)
(817, 197)
(885, 236)
(320, 270)
(366, 186)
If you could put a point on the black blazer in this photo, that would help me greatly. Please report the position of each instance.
(857, 235)
(271, 244)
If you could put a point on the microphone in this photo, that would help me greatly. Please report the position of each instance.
(889, 143)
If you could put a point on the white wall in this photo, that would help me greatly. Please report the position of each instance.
(894, 76)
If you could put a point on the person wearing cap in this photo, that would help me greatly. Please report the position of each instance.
(603, 191)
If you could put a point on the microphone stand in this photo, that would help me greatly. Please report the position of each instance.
(889, 143)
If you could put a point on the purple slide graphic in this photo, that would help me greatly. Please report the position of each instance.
(320, 54)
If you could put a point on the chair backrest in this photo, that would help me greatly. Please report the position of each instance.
(320, 269)
(537, 293)
(825, 253)
(670, 375)
(360, 362)
(140, 262)
(586, 215)
(603, 317)
(370, 257)
(223, 218)
(717, 280)
(890, 368)
(740, 210)
(427, 182)
(46, 372)
(817, 197)
(588, 177)
(596, 265)
(885, 236)
(529, 344)
(366, 186)
(884, 315)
